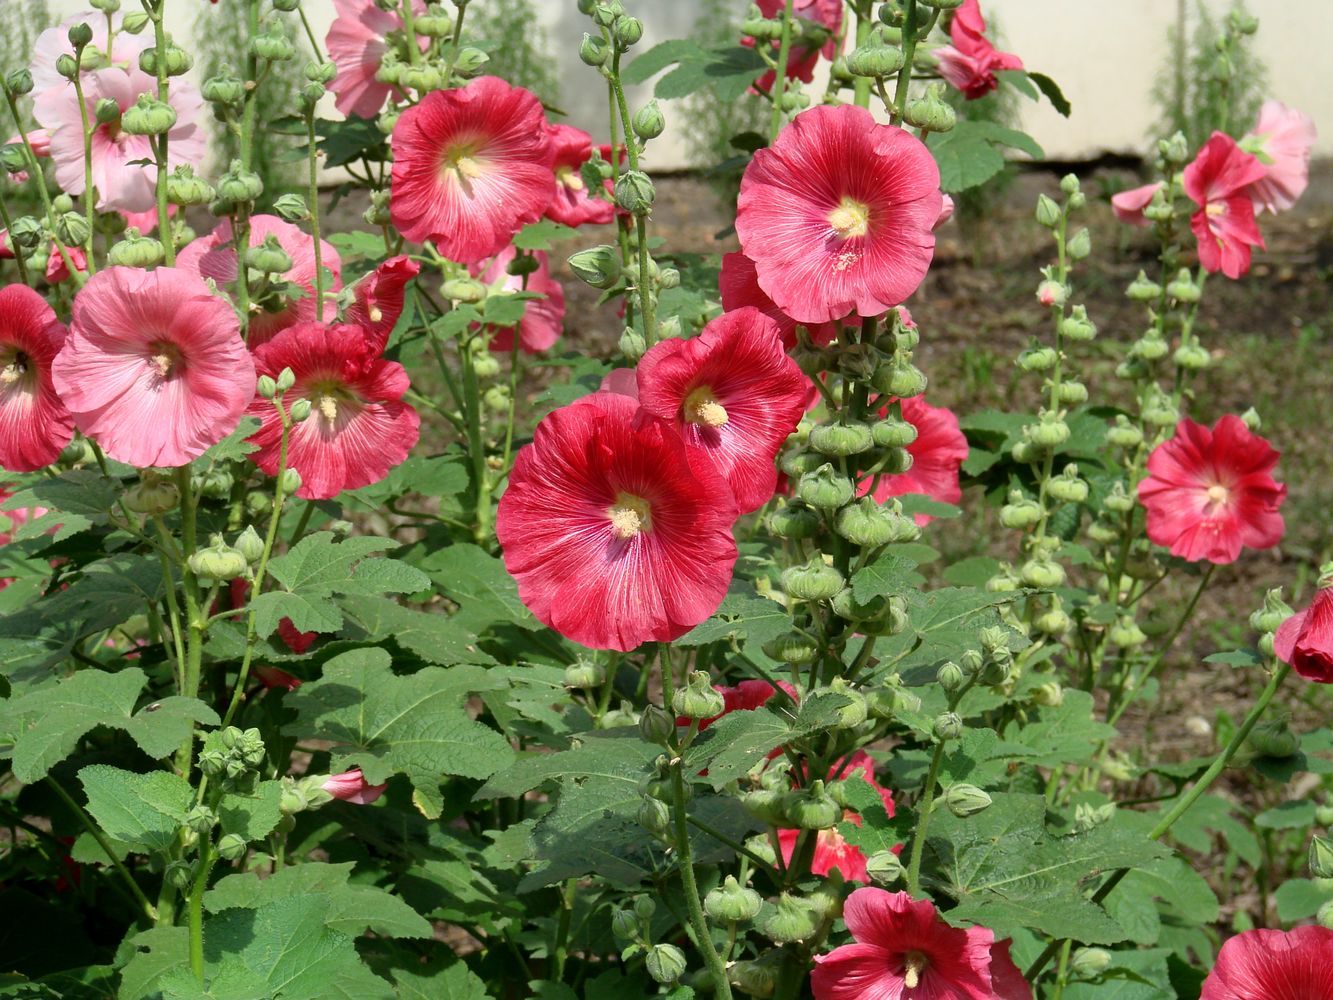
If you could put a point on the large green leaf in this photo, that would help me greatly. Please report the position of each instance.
(1060, 734)
(971, 152)
(478, 582)
(142, 810)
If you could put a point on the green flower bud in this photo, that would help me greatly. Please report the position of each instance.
(593, 51)
(232, 847)
(1103, 532)
(1126, 634)
(1053, 622)
(1088, 963)
(152, 495)
(223, 89)
(1038, 359)
(792, 648)
(219, 562)
(178, 61)
(812, 582)
(811, 808)
(598, 266)
(1192, 356)
(875, 61)
(790, 919)
(948, 726)
(867, 524)
(1150, 347)
(653, 816)
(250, 545)
(430, 26)
(313, 93)
(635, 192)
(19, 82)
(467, 290)
(14, 158)
(1050, 432)
(1067, 487)
(930, 112)
(80, 35)
(649, 122)
(148, 116)
(632, 345)
(239, 185)
(852, 714)
(841, 439)
(1048, 211)
(1020, 513)
(1052, 293)
(1076, 326)
(1161, 412)
(893, 433)
(1124, 434)
(1042, 573)
(1274, 612)
(966, 800)
(1274, 739)
(885, 868)
(656, 724)
(1182, 287)
(1071, 392)
(286, 6)
(292, 208)
(625, 925)
(136, 251)
(825, 488)
(1049, 694)
(290, 482)
(950, 676)
(669, 278)
(266, 387)
(1323, 815)
(184, 188)
(665, 962)
(627, 31)
(798, 463)
(698, 699)
(1079, 245)
(793, 520)
(732, 902)
(1321, 858)
(470, 60)
(201, 819)
(942, 4)
(67, 66)
(584, 674)
(899, 377)
(73, 229)
(1143, 289)
(1174, 150)
(496, 398)
(765, 805)
(273, 45)
(179, 874)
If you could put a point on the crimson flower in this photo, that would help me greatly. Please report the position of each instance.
(1210, 492)
(357, 44)
(971, 61)
(358, 429)
(837, 215)
(832, 851)
(1219, 180)
(472, 166)
(903, 949)
(1305, 640)
(1273, 965)
(1129, 205)
(351, 786)
(543, 319)
(1282, 139)
(274, 678)
(34, 424)
(614, 536)
(378, 299)
(937, 454)
(573, 205)
(733, 394)
(154, 369)
(738, 285)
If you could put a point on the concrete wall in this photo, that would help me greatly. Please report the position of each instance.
(1104, 54)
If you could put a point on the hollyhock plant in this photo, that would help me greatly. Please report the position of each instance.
(377, 301)
(903, 949)
(801, 61)
(733, 394)
(357, 43)
(1129, 205)
(971, 62)
(351, 786)
(214, 256)
(1273, 965)
(543, 319)
(472, 166)
(34, 424)
(832, 851)
(1209, 493)
(738, 285)
(573, 205)
(1219, 182)
(1282, 139)
(837, 215)
(614, 536)
(937, 454)
(359, 427)
(153, 369)
(1305, 640)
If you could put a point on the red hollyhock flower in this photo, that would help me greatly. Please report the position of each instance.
(1273, 965)
(153, 369)
(738, 285)
(903, 949)
(614, 536)
(837, 215)
(733, 394)
(937, 454)
(801, 62)
(358, 429)
(34, 424)
(379, 297)
(543, 319)
(1210, 492)
(831, 850)
(1219, 181)
(1305, 640)
(472, 166)
(573, 205)
(214, 256)
(272, 677)
(1129, 205)
(351, 786)
(971, 61)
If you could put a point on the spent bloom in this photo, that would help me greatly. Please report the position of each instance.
(1282, 139)
(733, 394)
(472, 166)
(1129, 205)
(1273, 965)
(34, 424)
(351, 786)
(1305, 640)
(573, 205)
(358, 428)
(614, 535)
(357, 43)
(937, 454)
(1219, 182)
(543, 319)
(1210, 492)
(903, 949)
(837, 215)
(153, 369)
(971, 61)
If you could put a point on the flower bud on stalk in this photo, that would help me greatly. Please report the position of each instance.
(635, 192)
(793, 648)
(811, 808)
(665, 963)
(1143, 288)
(874, 61)
(930, 113)
(136, 251)
(793, 520)
(814, 581)
(966, 800)
(825, 488)
(632, 345)
(698, 699)
(73, 229)
(273, 45)
(178, 61)
(224, 89)
(584, 674)
(732, 901)
(649, 122)
(1048, 211)
(653, 816)
(657, 725)
(948, 726)
(593, 51)
(598, 266)
(841, 440)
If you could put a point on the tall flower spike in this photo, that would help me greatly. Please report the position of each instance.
(34, 424)
(1219, 181)
(733, 394)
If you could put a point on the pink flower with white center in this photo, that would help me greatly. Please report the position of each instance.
(379, 296)
(1282, 139)
(1129, 205)
(34, 424)
(351, 786)
(837, 215)
(1211, 492)
(1219, 181)
(153, 369)
(121, 180)
(357, 44)
(573, 205)
(543, 319)
(1273, 965)
(214, 256)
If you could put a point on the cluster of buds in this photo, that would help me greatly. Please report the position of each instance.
(233, 757)
(633, 928)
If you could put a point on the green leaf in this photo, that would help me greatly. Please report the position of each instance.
(735, 743)
(658, 58)
(877, 830)
(728, 69)
(76, 499)
(152, 953)
(358, 244)
(748, 619)
(944, 623)
(416, 725)
(1061, 734)
(433, 636)
(1296, 815)
(478, 581)
(233, 447)
(541, 235)
(142, 810)
(889, 574)
(1210, 821)
(1242, 658)
(50, 721)
(255, 816)
(1299, 899)
(346, 141)
(1134, 975)
(970, 153)
(441, 979)
(1052, 91)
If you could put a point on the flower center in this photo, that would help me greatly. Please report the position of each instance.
(629, 516)
(1216, 208)
(375, 313)
(914, 963)
(850, 219)
(328, 408)
(570, 178)
(15, 370)
(701, 407)
(1218, 495)
(163, 358)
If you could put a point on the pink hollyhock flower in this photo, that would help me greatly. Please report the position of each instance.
(1282, 139)
(1219, 181)
(573, 205)
(357, 44)
(946, 211)
(971, 61)
(214, 256)
(154, 369)
(1273, 965)
(733, 394)
(358, 429)
(472, 166)
(801, 61)
(903, 949)
(34, 424)
(937, 454)
(1129, 205)
(543, 319)
(378, 301)
(837, 215)
(1211, 492)
(1305, 640)
(272, 677)
(351, 786)
(832, 851)
(614, 537)
(739, 287)
(48, 85)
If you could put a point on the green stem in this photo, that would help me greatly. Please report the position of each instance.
(455, 42)
(905, 73)
(163, 93)
(560, 953)
(310, 34)
(864, 25)
(18, 253)
(780, 76)
(476, 443)
(251, 96)
(314, 211)
(195, 909)
(684, 858)
(410, 28)
(39, 180)
(646, 303)
(923, 820)
(149, 910)
(738, 847)
(87, 162)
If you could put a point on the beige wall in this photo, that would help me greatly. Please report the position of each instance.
(1103, 53)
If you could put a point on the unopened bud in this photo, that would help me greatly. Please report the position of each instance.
(665, 962)
(966, 800)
